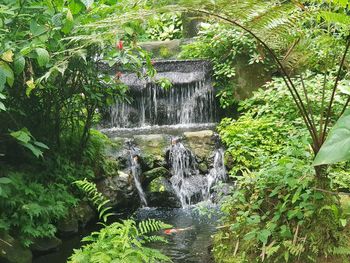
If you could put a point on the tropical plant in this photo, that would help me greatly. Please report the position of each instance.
(118, 242)
(166, 26)
(29, 209)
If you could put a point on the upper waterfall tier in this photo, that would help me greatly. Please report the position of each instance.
(190, 100)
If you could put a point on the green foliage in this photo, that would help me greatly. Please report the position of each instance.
(277, 205)
(51, 80)
(25, 138)
(122, 242)
(165, 26)
(337, 146)
(99, 200)
(29, 209)
(279, 215)
(118, 242)
(224, 46)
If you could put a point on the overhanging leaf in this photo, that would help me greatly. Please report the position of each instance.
(7, 56)
(337, 145)
(5, 180)
(43, 56)
(19, 64)
(30, 86)
(22, 136)
(7, 71)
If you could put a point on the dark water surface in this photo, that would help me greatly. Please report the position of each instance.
(189, 246)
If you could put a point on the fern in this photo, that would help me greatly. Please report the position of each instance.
(97, 198)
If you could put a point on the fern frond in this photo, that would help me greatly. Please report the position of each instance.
(97, 198)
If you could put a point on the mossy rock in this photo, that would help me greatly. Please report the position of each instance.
(158, 185)
(201, 143)
(11, 251)
(154, 174)
(203, 168)
(152, 144)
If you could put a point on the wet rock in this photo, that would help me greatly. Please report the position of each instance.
(161, 194)
(68, 226)
(203, 168)
(152, 144)
(45, 245)
(118, 189)
(201, 143)
(11, 251)
(152, 175)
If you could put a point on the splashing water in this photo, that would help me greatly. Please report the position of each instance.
(136, 173)
(218, 172)
(189, 186)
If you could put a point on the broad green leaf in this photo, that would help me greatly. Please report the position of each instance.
(22, 135)
(19, 64)
(263, 235)
(43, 56)
(35, 150)
(5, 180)
(2, 106)
(337, 145)
(41, 145)
(5, 69)
(36, 29)
(7, 56)
(75, 6)
(30, 86)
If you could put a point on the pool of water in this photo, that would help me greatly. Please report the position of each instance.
(189, 246)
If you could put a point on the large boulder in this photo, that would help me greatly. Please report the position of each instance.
(119, 190)
(151, 175)
(11, 251)
(201, 143)
(45, 245)
(161, 194)
(79, 216)
(152, 144)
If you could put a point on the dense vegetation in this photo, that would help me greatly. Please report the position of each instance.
(287, 162)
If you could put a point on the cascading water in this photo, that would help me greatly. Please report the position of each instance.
(218, 172)
(190, 100)
(136, 173)
(188, 184)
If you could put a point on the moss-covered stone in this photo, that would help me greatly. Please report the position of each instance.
(203, 168)
(158, 185)
(152, 144)
(155, 173)
(11, 251)
(201, 143)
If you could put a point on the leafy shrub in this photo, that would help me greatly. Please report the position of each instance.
(277, 214)
(29, 209)
(223, 45)
(122, 242)
(118, 242)
(165, 26)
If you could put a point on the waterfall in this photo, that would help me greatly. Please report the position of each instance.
(136, 173)
(189, 186)
(218, 172)
(190, 100)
